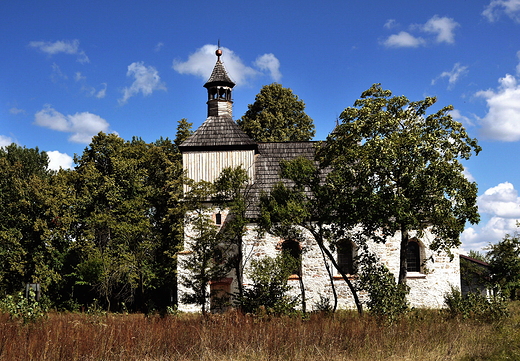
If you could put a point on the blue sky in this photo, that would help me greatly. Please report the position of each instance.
(70, 69)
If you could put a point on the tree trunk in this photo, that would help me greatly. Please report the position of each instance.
(359, 306)
(331, 281)
(403, 254)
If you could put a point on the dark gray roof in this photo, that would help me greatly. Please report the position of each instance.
(218, 132)
(267, 171)
(219, 76)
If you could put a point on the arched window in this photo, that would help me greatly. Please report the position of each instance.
(413, 259)
(345, 257)
(292, 248)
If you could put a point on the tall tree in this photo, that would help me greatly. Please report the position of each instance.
(308, 203)
(114, 231)
(277, 115)
(398, 169)
(205, 260)
(32, 244)
(233, 192)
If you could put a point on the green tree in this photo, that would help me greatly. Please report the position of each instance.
(306, 203)
(205, 261)
(504, 264)
(232, 192)
(32, 244)
(114, 233)
(398, 169)
(277, 115)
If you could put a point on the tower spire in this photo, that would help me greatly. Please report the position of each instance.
(219, 87)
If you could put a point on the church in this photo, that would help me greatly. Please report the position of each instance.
(220, 143)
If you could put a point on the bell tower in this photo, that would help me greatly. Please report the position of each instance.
(219, 88)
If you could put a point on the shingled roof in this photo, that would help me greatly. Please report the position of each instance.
(219, 76)
(267, 167)
(218, 132)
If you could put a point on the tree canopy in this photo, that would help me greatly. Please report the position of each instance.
(277, 115)
(403, 170)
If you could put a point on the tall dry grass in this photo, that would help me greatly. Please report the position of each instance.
(422, 335)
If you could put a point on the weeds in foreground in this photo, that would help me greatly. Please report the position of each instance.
(420, 334)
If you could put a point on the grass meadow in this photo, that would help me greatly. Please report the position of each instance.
(420, 335)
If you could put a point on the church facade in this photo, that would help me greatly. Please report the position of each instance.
(220, 143)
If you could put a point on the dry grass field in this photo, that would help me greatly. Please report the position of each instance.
(421, 335)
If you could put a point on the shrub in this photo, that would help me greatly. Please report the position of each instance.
(386, 299)
(476, 306)
(268, 291)
(22, 308)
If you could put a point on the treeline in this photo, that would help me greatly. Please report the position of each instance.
(105, 232)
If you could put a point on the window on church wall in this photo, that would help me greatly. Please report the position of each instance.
(218, 219)
(292, 249)
(413, 259)
(345, 257)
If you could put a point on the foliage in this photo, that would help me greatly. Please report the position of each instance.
(33, 220)
(205, 261)
(386, 298)
(22, 308)
(309, 204)
(232, 191)
(277, 115)
(504, 264)
(268, 291)
(476, 306)
(404, 170)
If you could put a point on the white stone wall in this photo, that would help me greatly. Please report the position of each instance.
(427, 288)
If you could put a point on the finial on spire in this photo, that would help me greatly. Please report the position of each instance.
(218, 53)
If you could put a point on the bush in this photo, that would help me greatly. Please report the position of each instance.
(387, 299)
(476, 306)
(22, 308)
(268, 292)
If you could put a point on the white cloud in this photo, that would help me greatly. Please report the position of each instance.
(502, 204)
(518, 65)
(455, 114)
(502, 122)
(390, 23)
(78, 76)
(453, 75)
(403, 40)
(270, 63)
(59, 160)
(159, 46)
(202, 61)
(57, 74)
(468, 175)
(444, 28)
(501, 201)
(15, 111)
(496, 7)
(101, 94)
(82, 126)
(5, 141)
(63, 46)
(147, 80)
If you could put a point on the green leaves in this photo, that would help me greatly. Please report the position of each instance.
(277, 115)
(399, 169)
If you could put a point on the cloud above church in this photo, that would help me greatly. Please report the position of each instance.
(61, 46)
(81, 126)
(202, 61)
(439, 29)
(146, 81)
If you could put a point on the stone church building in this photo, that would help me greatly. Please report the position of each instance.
(220, 143)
